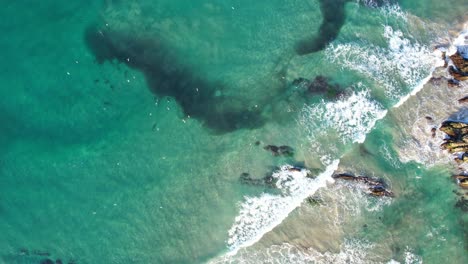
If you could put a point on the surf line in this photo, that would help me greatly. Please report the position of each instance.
(260, 215)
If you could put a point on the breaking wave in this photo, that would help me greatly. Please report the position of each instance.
(259, 215)
(399, 66)
(351, 117)
(351, 251)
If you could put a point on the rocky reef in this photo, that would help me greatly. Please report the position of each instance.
(320, 85)
(458, 65)
(456, 142)
(280, 150)
(270, 179)
(24, 255)
(456, 131)
(457, 137)
(374, 186)
(459, 69)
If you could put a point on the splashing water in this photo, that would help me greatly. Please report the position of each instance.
(352, 117)
(401, 65)
(259, 215)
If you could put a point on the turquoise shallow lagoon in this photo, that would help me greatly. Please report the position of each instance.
(126, 125)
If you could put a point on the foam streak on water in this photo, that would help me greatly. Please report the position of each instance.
(352, 117)
(351, 252)
(399, 66)
(259, 215)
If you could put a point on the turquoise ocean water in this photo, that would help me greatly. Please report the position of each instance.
(125, 127)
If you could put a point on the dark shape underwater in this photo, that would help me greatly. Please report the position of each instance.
(166, 76)
(334, 16)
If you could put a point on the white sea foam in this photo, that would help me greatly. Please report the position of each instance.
(352, 117)
(400, 66)
(354, 198)
(411, 258)
(351, 252)
(259, 215)
(385, 152)
(460, 40)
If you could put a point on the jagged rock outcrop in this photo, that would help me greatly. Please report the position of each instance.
(457, 138)
(462, 180)
(459, 69)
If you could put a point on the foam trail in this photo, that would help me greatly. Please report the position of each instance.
(259, 215)
(402, 64)
(413, 92)
(352, 251)
(352, 117)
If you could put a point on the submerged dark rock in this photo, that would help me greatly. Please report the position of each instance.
(246, 178)
(314, 201)
(321, 85)
(280, 150)
(47, 261)
(375, 186)
(462, 203)
(267, 181)
(167, 75)
(270, 180)
(41, 253)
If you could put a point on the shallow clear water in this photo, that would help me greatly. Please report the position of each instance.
(125, 126)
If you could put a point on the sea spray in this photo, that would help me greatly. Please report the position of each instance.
(259, 215)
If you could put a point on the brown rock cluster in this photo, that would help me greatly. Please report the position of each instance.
(456, 142)
(457, 137)
(459, 69)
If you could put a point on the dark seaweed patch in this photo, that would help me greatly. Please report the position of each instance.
(167, 76)
(334, 16)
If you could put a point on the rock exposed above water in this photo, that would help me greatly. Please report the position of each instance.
(463, 100)
(375, 187)
(462, 180)
(459, 70)
(457, 140)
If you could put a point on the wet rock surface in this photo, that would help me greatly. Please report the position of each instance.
(463, 100)
(375, 186)
(462, 180)
(457, 137)
(459, 69)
